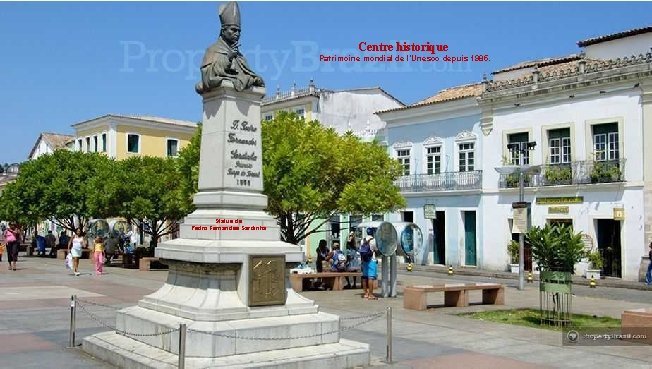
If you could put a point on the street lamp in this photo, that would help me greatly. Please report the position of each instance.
(521, 148)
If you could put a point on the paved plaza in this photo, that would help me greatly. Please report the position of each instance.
(35, 300)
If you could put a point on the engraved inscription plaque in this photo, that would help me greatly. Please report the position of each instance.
(266, 280)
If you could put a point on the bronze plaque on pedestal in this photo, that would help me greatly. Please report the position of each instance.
(266, 280)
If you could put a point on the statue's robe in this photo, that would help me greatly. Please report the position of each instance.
(216, 68)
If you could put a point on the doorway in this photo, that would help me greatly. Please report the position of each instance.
(439, 239)
(608, 237)
(469, 238)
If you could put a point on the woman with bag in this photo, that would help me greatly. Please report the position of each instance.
(75, 249)
(369, 265)
(12, 238)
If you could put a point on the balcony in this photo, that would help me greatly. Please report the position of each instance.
(579, 172)
(449, 181)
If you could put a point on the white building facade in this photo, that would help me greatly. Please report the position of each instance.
(438, 142)
(589, 116)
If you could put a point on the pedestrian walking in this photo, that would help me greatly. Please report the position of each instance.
(98, 254)
(648, 275)
(75, 247)
(12, 238)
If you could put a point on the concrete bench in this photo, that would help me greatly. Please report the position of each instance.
(455, 294)
(638, 324)
(61, 254)
(146, 263)
(333, 280)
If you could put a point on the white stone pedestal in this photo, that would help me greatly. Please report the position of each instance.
(208, 286)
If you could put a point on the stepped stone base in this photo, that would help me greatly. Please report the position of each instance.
(125, 352)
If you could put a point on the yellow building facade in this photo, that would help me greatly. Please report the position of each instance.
(121, 136)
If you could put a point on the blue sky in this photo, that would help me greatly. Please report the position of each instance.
(62, 63)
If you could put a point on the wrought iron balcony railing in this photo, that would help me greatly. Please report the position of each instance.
(579, 172)
(448, 181)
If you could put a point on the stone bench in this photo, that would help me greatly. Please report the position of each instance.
(637, 323)
(61, 254)
(147, 261)
(455, 294)
(333, 280)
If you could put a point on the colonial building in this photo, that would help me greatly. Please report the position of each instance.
(587, 116)
(122, 136)
(438, 142)
(346, 110)
(47, 143)
(587, 120)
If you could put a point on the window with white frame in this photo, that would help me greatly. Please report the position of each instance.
(559, 144)
(403, 156)
(133, 143)
(103, 142)
(269, 117)
(172, 147)
(88, 144)
(300, 112)
(433, 160)
(521, 138)
(95, 144)
(466, 155)
(79, 144)
(605, 142)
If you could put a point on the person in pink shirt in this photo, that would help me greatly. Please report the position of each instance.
(12, 238)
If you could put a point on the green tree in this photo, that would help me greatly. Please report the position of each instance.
(556, 247)
(59, 186)
(188, 167)
(151, 193)
(311, 173)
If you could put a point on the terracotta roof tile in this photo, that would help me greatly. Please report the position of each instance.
(614, 36)
(56, 140)
(540, 62)
(453, 93)
(448, 94)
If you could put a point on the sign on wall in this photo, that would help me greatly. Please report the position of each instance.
(619, 213)
(558, 210)
(429, 211)
(560, 200)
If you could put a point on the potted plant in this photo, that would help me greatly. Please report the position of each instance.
(596, 263)
(605, 171)
(558, 174)
(512, 250)
(511, 180)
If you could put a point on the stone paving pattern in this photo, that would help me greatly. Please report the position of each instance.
(35, 300)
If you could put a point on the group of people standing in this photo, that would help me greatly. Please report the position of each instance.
(13, 235)
(356, 258)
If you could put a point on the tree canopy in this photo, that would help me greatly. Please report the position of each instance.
(59, 186)
(151, 193)
(73, 187)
